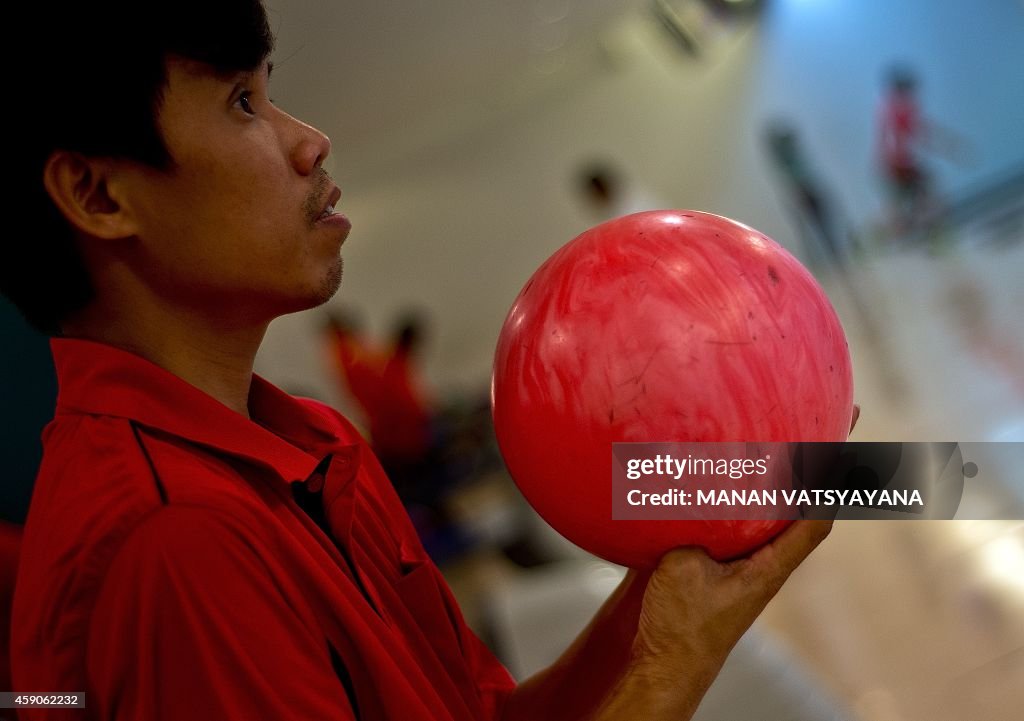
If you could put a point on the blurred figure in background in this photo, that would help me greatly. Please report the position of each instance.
(915, 206)
(812, 212)
(353, 358)
(402, 420)
(402, 426)
(607, 194)
(829, 240)
(384, 381)
(388, 386)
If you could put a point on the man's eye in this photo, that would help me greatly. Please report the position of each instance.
(243, 100)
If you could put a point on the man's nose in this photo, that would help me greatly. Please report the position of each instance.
(310, 149)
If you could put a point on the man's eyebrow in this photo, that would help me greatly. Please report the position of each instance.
(250, 75)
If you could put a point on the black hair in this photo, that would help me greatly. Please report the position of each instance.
(93, 84)
(599, 182)
(409, 330)
(901, 78)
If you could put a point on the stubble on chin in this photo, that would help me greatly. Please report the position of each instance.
(331, 283)
(314, 296)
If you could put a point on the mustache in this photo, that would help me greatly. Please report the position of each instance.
(314, 203)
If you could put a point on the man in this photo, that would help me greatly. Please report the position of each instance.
(201, 545)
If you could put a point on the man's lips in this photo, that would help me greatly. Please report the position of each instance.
(327, 206)
(328, 216)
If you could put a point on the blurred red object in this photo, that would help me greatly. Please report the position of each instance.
(386, 385)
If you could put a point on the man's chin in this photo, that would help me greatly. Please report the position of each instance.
(333, 280)
(315, 295)
(330, 284)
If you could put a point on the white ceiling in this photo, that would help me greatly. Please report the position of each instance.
(381, 75)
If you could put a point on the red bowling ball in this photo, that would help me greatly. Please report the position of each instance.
(674, 326)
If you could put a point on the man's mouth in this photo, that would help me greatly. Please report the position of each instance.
(329, 202)
(329, 216)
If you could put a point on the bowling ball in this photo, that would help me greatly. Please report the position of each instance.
(663, 326)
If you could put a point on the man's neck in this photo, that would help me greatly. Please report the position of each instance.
(217, 360)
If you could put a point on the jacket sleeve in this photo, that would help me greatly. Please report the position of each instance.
(189, 624)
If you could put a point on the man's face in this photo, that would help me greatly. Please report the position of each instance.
(237, 227)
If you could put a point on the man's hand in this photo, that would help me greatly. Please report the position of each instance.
(694, 611)
(656, 645)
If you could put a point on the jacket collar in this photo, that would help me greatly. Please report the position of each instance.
(284, 434)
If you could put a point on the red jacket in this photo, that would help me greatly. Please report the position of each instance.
(167, 571)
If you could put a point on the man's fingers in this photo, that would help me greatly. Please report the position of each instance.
(682, 564)
(780, 557)
(770, 565)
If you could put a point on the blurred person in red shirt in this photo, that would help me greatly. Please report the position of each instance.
(386, 384)
(904, 132)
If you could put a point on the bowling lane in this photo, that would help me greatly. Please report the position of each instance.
(911, 621)
(942, 355)
(924, 621)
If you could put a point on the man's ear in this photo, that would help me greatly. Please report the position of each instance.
(84, 191)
